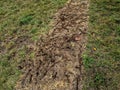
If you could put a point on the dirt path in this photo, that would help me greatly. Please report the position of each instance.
(58, 62)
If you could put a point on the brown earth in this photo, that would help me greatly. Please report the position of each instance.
(58, 63)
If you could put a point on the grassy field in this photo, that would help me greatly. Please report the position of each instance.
(102, 57)
(21, 21)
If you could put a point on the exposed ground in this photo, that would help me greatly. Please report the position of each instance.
(58, 64)
(21, 23)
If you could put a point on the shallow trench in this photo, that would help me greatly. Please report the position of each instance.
(58, 63)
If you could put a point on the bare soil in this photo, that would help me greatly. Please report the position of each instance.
(58, 63)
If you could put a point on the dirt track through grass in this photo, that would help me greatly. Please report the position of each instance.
(58, 64)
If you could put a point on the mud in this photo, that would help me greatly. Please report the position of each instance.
(58, 63)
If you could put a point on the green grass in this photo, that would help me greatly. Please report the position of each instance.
(21, 21)
(102, 57)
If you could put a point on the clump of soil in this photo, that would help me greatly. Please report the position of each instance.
(58, 64)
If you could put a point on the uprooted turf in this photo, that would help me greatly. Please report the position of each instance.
(58, 64)
(21, 22)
